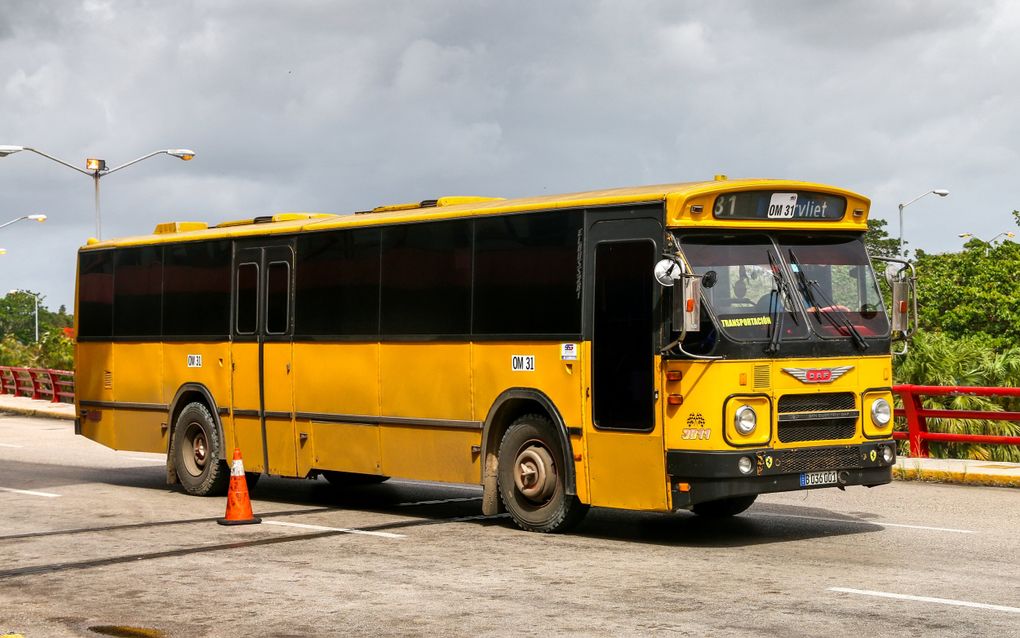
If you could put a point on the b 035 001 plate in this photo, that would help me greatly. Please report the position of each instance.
(810, 479)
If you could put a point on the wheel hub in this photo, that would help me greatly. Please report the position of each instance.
(200, 449)
(535, 473)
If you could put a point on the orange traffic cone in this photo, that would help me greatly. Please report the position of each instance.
(238, 504)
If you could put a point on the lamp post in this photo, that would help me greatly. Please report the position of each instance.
(941, 192)
(29, 292)
(96, 168)
(35, 218)
(991, 241)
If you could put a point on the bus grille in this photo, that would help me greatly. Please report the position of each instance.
(816, 402)
(827, 416)
(816, 459)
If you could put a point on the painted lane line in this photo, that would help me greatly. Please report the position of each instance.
(28, 492)
(927, 599)
(10, 445)
(439, 502)
(866, 522)
(343, 530)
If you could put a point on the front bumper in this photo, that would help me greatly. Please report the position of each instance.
(714, 475)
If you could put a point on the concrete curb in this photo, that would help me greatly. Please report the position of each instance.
(958, 471)
(32, 407)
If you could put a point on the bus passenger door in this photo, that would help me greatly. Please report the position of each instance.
(245, 355)
(626, 458)
(263, 398)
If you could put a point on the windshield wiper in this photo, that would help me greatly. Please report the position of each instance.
(836, 317)
(775, 316)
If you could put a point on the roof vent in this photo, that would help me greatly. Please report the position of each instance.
(168, 228)
(432, 203)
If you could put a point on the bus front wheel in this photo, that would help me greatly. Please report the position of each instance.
(532, 480)
(724, 507)
(197, 451)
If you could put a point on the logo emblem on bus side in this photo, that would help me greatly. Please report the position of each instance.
(817, 375)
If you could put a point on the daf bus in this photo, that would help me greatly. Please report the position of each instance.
(677, 347)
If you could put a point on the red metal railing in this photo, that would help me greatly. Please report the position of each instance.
(917, 416)
(38, 383)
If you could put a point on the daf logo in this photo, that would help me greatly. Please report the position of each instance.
(817, 375)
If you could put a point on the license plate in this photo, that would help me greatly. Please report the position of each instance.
(810, 479)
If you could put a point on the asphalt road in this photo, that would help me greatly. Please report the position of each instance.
(93, 538)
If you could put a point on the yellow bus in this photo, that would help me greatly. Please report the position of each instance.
(659, 348)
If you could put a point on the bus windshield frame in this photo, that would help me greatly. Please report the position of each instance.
(757, 272)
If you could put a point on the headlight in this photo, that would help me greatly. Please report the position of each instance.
(887, 455)
(745, 465)
(881, 412)
(745, 420)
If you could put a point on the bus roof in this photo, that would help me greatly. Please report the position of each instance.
(687, 204)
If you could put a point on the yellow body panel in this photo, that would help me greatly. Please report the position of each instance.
(246, 428)
(425, 380)
(625, 469)
(278, 398)
(558, 379)
(93, 380)
(430, 454)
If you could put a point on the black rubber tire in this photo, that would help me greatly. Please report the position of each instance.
(556, 512)
(202, 472)
(351, 479)
(724, 508)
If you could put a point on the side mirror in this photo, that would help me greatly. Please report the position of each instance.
(686, 315)
(902, 282)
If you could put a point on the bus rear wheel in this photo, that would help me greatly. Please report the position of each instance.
(724, 507)
(197, 451)
(532, 480)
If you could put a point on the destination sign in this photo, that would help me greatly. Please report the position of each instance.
(779, 206)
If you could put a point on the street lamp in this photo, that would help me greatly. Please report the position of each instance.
(1006, 234)
(35, 218)
(941, 192)
(96, 168)
(29, 292)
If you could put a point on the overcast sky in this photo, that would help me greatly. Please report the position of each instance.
(337, 106)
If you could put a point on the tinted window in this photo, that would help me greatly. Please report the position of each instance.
(95, 294)
(426, 279)
(277, 297)
(247, 298)
(196, 289)
(137, 292)
(527, 274)
(337, 283)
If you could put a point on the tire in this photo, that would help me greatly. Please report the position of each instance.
(197, 450)
(725, 507)
(531, 477)
(351, 479)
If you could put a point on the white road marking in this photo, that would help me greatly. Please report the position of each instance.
(927, 599)
(439, 502)
(345, 530)
(865, 522)
(10, 445)
(28, 492)
(142, 458)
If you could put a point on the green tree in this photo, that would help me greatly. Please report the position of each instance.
(938, 359)
(878, 241)
(18, 346)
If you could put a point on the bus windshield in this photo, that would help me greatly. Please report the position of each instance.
(755, 276)
(750, 302)
(836, 284)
